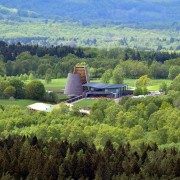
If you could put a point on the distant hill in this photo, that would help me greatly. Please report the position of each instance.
(139, 24)
(124, 11)
(13, 13)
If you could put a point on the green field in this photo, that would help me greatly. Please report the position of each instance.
(58, 85)
(154, 84)
(22, 103)
(86, 103)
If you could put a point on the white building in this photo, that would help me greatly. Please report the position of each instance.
(41, 107)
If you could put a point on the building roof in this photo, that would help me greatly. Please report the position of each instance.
(41, 107)
(104, 86)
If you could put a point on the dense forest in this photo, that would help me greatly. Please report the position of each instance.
(144, 120)
(58, 61)
(23, 158)
(71, 141)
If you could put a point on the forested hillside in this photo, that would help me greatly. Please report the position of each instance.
(145, 120)
(15, 14)
(146, 25)
(131, 11)
(48, 32)
(137, 137)
(58, 61)
(137, 121)
(22, 158)
(120, 59)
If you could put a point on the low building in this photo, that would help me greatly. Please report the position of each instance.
(78, 85)
(42, 107)
(107, 90)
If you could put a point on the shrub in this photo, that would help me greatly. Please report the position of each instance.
(9, 91)
(50, 97)
(35, 90)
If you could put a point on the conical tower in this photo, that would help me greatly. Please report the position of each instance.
(73, 86)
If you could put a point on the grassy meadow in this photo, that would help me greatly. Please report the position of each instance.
(56, 85)
(86, 103)
(22, 103)
(154, 84)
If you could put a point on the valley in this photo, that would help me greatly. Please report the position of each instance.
(90, 89)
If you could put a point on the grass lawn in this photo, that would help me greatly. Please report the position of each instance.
(22, 103)
(153, 86)
(55, 85)
(86, 103)
(156, 83)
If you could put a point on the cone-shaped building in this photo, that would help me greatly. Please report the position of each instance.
(74, 85)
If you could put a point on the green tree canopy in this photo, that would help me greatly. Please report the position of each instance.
(175, 85)
(10, 91)
(118, 75)
(106, 76)
(35, 90)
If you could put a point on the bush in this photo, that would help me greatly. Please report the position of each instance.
(158, 70)
(163, 87)
(19, 88)
(174, 71)
(138, 91)
(51, 97)
(144, 90)
(106, 77)
(118, 75)
(48, 79)
(175, 85)
(9, 91)
(35, 90)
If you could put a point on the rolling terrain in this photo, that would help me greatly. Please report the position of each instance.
(75, 34)
(124, 11)
(123, 123)
(145, 25)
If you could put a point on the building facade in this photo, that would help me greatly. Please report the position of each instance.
(78, 85)
(107, 90)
